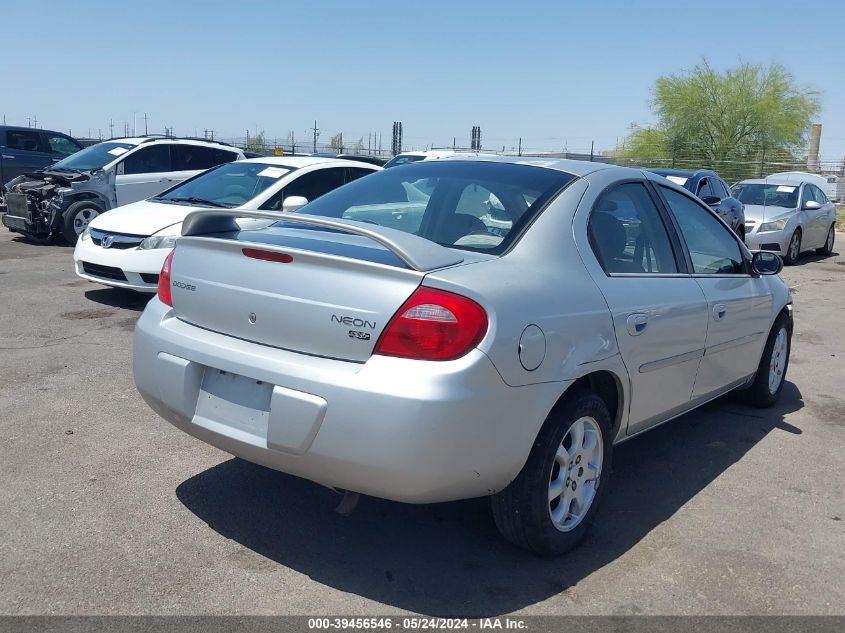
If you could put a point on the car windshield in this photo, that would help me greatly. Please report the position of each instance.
(472, 205)
(403, 159)
(229, 185)
(94, 156)
(769, 195)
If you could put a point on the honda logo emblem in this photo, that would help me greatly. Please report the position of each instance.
(107, 241)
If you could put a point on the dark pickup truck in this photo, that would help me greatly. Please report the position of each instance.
(26, 149)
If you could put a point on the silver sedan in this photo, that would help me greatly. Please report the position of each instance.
(461, 328)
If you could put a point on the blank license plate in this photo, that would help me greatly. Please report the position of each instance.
(235, 401)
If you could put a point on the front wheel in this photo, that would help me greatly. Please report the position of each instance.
(771, 371)
(793, 251)
(77, 217)
(827, 249)
(549, 506)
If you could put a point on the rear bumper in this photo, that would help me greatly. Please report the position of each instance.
(409, 431)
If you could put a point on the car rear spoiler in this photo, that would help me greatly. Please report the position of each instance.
(417, 252)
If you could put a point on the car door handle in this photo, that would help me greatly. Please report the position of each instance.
(8, 157)
(636, 323)
(719, 311)
(165, 180)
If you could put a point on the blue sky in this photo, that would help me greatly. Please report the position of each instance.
(558, 74)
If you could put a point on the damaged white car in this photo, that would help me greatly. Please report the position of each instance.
(62, 199)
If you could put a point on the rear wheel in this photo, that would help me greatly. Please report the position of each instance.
(549, 506)
(827, 249)
(76, 218)
(793, 251)
(771, 371)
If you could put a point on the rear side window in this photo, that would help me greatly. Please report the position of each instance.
(148, 160)
(627, 233)
(194, 157)
(24, 140)
(711, 244)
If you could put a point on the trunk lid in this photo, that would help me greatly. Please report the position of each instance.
(325, 293)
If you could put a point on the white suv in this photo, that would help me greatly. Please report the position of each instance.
(63, 198)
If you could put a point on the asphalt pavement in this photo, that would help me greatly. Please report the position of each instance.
(107, 509)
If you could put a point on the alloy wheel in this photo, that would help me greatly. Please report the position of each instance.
(82, 218)
(576, 474)
(777, 363)
(794, 245)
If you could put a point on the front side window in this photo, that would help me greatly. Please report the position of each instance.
(148, 160)
(711, 245)
(229, 185)
(94, 156)
(471, 205)
(24, 140)
(806, 195)
(627, 233)
(704, 189)
(62, 145)
(818, 195)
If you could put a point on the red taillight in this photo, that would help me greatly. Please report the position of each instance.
(164, 280)
(433, 325)
(267, 256)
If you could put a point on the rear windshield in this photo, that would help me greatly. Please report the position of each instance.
(94, 156)
(229, 185)
(471, 205)
(770, 195)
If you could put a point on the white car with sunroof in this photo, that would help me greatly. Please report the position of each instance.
(126, 247)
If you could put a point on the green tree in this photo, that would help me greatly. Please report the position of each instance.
(336, 143)
(255, 142)
(730, 121)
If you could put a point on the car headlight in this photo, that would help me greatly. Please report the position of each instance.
(774, 225)
(86, 234)
(158, 241)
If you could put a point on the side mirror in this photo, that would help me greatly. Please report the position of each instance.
(711, 200)
(812, 205)
(766, 263)
(294, 203)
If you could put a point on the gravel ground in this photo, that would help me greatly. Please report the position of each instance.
(107, 509)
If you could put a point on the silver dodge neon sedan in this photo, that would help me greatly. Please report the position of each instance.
(460, 328)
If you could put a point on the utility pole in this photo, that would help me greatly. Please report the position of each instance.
(454, 143)
(111, 128)
(520, 146)
(592, 147)
(396, 146)
(145, 124)
(316, 132)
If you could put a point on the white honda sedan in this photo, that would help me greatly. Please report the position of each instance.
(126, 247)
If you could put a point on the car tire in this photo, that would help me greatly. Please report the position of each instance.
(76, 217)
(771, 371)
(827, 249)
(793, 251)
(525, 511)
